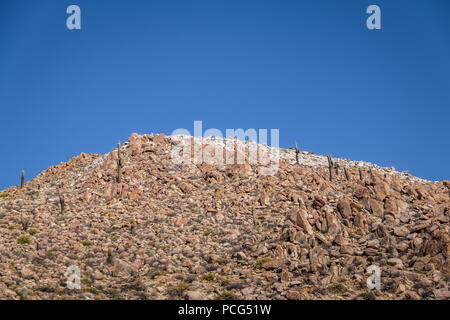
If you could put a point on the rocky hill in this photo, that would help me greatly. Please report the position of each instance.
(173, 231)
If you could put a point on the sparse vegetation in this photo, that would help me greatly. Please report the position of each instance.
(23, 240)
(45, 288)
(208, 277)
(367, 296)
(153, 273)
(337, 288)
(261, 261)
(227, 295)
(179, 289)
(87, 280)
(136, 285)
(224, 282)
(51, 254)
(86, 243)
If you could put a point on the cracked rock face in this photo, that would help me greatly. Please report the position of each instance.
(205, 231)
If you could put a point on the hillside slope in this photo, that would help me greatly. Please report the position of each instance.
(210, 231)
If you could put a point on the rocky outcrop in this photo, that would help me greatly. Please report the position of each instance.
(219, 231)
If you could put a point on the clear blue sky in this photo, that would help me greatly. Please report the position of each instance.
(309, 68)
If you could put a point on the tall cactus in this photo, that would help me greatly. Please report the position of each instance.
(109, 256)
(22, 179)
(61, 202)
(297, 152)
(330, 166)
(346, 174)
(119, 162)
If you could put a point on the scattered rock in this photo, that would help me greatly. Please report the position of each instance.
(401, 231)
(194, 295)
(298, 216)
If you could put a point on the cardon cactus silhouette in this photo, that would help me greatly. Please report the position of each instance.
(119, 162)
